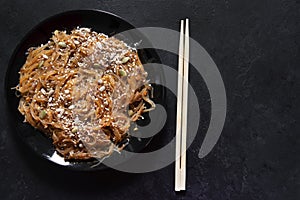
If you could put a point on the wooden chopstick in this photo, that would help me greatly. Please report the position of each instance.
(179, 109)
(185, 104)
(182, 106)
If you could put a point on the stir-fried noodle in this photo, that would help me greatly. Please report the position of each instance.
(83, 89)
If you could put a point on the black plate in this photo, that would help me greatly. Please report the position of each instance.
(102, 22)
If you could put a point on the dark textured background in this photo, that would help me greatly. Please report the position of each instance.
(254, 43)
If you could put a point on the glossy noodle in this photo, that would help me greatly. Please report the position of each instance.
(84, 90)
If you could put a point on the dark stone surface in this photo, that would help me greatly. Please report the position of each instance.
(255, 44)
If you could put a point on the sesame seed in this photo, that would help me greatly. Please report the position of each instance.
(71, 107)
(102, 88)
(43, 91)
(45, 56)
